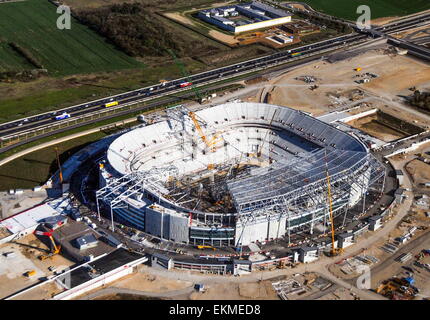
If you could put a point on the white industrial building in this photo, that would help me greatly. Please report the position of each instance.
(375, 222)
(258, 16)
(259, 173)
(24, 223)
(344, 240)
(308, 254)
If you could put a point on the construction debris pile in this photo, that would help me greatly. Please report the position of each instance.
(365, 77)
(355, 264)
(285, 287)
(398, 288)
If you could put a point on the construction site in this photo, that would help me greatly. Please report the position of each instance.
(297, 181)
(226, 25)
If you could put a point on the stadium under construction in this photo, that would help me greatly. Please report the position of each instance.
(234, 174)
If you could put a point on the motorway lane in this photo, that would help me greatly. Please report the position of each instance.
(166, 100)
(159, 90)
(224, 72)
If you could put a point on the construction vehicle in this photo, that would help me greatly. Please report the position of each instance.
(358, 69)
(30, 273)
(201, 247)
(282, 264)
(210, 143)
(54, 248)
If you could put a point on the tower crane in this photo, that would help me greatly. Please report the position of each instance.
(334, 251)
(185, 74)
(210, 143)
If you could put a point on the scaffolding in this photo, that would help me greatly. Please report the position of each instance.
(118, 190)
(290, 193)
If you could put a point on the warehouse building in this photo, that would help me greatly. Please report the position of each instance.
(255, 15)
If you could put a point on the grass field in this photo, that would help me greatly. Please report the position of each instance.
(33, 25)
(54, 93)
(10, 60)
(379, 8)
(35, 168)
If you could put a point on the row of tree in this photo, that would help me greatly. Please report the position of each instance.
(26, 54)
(138, 31)
(322, 20)
(24, 76)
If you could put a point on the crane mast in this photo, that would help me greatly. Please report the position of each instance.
(334, 251)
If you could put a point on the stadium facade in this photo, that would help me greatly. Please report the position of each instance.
(233, 174)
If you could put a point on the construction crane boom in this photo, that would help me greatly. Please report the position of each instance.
(209, 142)
(185, 73)
(54, 248)
(334, 252)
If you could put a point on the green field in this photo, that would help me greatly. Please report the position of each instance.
(35, 168)
(33, 25)
(11, 60)
(379, 8)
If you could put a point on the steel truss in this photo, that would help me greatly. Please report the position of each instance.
(304, 196)
(118, 190)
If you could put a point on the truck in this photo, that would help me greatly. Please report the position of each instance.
(185, 84)
(111, 104)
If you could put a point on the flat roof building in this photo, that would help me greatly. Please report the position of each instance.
(345, 240)
(86, 242)
(375, 222)
(399, 175)
(259, 14)
(308, 254)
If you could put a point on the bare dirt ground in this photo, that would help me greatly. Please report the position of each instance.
(45, 292)
(371, 126)
(419, 170)
(261, 291)
(223, 37)
(178, 17)
(150, 283)
(396, 74)
(404, 34)
(26, 250)
(382, 21)
(338, 294)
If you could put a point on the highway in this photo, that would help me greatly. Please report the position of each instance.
(211, 76)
